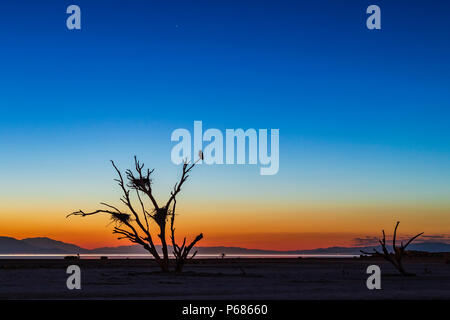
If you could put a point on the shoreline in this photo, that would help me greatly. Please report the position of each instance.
(91, 256)
(219, 279)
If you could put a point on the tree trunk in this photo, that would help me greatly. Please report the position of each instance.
(165, 251)
(179, 266)
(162, 263)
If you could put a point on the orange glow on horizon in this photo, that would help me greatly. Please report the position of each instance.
(240, 225)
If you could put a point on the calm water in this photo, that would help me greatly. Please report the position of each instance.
(146, 256)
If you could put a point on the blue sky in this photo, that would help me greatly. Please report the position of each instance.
(363, 115)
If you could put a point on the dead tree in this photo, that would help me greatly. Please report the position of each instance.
(135, 222)
(398, 252)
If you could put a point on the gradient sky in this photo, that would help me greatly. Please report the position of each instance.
(363, 116)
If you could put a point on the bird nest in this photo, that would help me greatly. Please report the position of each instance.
(121, 217)
(161, 215)
(141, 183)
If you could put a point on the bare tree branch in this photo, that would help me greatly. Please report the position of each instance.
(396, 257)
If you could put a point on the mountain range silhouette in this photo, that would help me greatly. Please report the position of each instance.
(43, 245)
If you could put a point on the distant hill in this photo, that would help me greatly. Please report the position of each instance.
(420, 246)
(44, 245)
(55, 246)
(11, 245)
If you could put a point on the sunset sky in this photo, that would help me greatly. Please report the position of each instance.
(363, 116)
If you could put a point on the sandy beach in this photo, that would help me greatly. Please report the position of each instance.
(224, 279)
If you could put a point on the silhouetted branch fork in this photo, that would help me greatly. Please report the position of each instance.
(127, 235)
(189, 247)
(186, 169)
(411, 240)
(124, 232)
(127, 200)
(83, 214)
(143, 182)
(398, 252)
(144, 211)
(182, 253)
